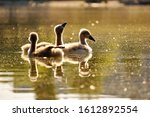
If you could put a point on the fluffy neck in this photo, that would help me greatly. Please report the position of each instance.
(32, 48)
(58, 40)
(82, 40)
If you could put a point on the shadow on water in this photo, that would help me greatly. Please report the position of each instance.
(118, 68)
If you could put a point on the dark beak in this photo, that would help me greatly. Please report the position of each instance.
(91, 38)
(64, 24)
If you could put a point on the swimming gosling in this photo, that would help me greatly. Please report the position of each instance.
(80, 47)
(46, 51)
(26, 47)
(58, 30)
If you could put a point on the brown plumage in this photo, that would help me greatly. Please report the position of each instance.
(48, 50)
(58, 41)
(78, 50)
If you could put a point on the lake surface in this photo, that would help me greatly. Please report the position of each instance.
(118, 68)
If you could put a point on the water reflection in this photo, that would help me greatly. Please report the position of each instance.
(51, 62)
(84, 69)
(58, 72)
(33, 71)
(59, 81)
(43, 82)
(44, 87)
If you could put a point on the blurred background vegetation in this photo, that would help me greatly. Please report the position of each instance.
(142, 2)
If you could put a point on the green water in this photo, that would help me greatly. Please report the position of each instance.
(118, 68)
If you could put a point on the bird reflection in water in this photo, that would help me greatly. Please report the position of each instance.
(53, 63)
(86, 83)
(84, 69)
(33, 71)
(55, 80)
(82, 61)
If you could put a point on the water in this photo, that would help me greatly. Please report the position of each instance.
(118, 68)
